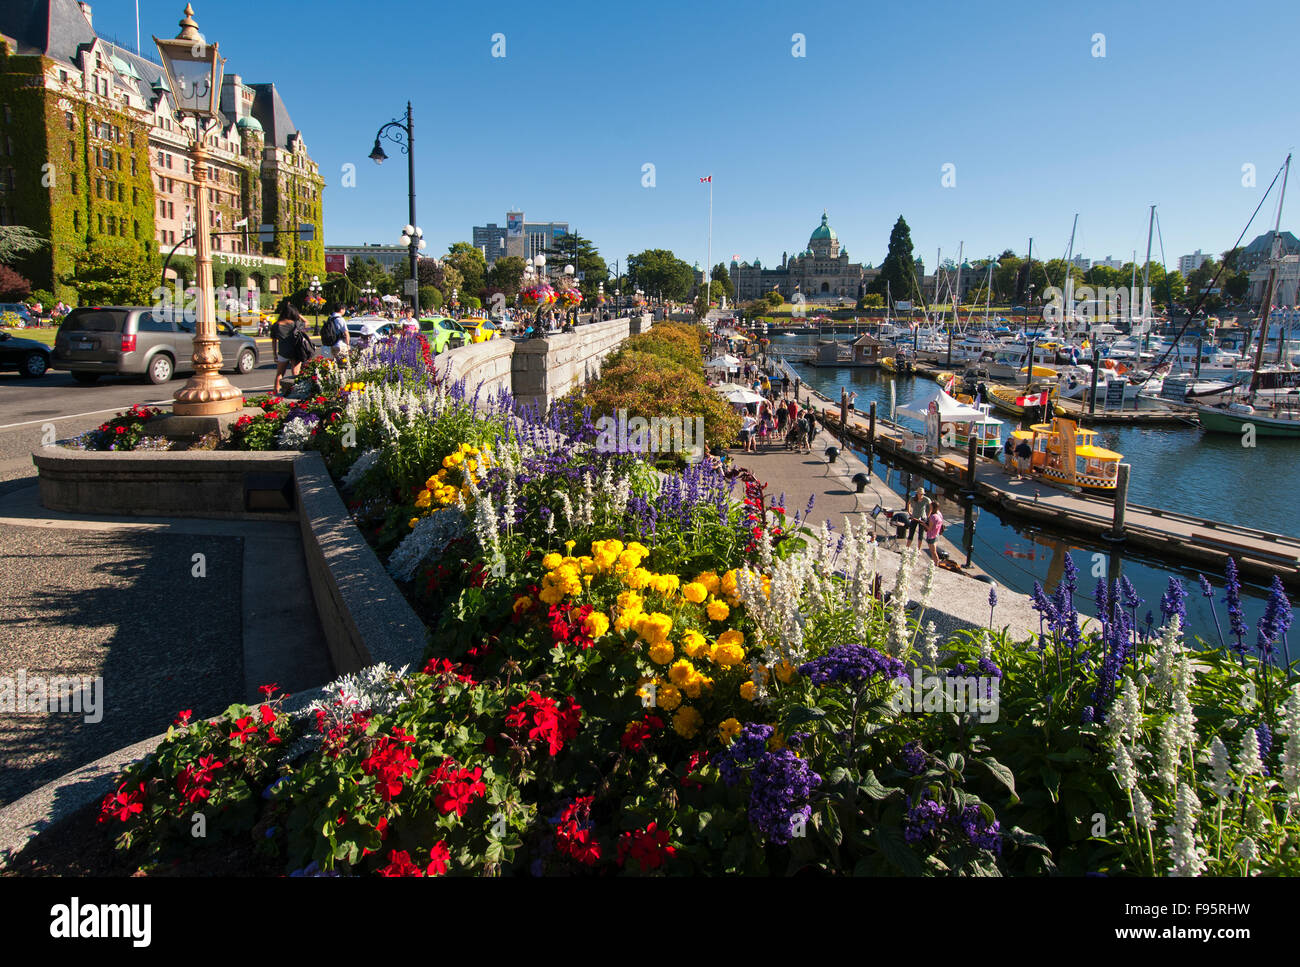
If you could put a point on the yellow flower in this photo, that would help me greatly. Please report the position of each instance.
(694, 592)
(784, 671)
(728, 729)
(728, 583)
(596, 624)
(630, 601)
(523, 604)
(654, 628)
(667, 697)
(636, 547)
(777, 741)
(731, 637)
(748, 691)
(727, 655)
(665, 584)
(423, 499)
(710, 581)
(431, 483)
(588, 565)
(661, 653)
(568, 546)
(718, 610)
(412, 522)
(551, 561)
(637, 578)
(681, 672)
(693, 644)
(687, 722)
(627, 619)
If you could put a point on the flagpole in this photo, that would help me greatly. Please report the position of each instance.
(708, 263)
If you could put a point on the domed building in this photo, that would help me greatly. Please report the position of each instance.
(821, 273)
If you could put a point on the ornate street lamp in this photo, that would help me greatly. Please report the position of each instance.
(402, 134)
(315, 299)
(194, 72)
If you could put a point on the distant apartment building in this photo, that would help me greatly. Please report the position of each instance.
(96, 154)
(519, 237)
(1079, 262)
(1187, 264)
(1109, 262)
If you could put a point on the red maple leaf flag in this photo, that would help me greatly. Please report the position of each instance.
(703, 180)
(1037, 399)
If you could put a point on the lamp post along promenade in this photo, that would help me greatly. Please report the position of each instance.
(194, 72)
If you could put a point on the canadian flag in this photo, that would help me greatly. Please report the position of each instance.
(703, 180)
(1037, 399)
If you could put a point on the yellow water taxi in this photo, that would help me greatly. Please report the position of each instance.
(1067, 454)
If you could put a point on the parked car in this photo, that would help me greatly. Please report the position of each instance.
(480, 330)
(29, 357)
(20, 310)
(139, 341)
(443, 333)
(363, 329)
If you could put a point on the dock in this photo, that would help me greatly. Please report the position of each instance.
(1167, 534)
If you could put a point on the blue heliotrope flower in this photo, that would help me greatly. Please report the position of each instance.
(781, 784)
(852, 664)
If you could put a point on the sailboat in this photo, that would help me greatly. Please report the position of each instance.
(1263, 410)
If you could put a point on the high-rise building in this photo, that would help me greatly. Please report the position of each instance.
(94, 152)
(1187, 264)
(522, 239)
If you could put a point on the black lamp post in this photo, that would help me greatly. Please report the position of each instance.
(402, 134)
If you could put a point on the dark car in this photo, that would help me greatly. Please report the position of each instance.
(139, 341)
(29, 357)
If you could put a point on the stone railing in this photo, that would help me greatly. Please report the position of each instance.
(537, 372)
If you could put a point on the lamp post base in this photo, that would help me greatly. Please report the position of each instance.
(207, 394)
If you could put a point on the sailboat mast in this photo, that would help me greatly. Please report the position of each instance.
(1132, 290)
(1274, 259)
(956, 295)
(1146, 266)
(1068, 285)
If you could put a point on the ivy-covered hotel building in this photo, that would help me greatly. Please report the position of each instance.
(91, 156)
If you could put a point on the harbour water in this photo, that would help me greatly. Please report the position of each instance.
(1184, 469)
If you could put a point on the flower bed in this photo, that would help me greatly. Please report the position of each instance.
(643, 673)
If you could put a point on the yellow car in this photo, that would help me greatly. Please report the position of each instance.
(480, 330)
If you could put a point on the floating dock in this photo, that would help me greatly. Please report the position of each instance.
(1166, 534)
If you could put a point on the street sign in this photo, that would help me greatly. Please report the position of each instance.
(266, 234)
(412, 287)
(306, 232)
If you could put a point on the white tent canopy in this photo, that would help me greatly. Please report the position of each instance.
(739, 395)
(950, 411)
(725, 361)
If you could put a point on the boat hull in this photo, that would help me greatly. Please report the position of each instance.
(1219, 421)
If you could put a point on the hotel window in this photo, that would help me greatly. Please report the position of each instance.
(63, 77)
(74, 182)
(169, 161)
(69, 120)
(72, 151)
(133, 164)
(161, 156)
(135, 195)
(121, 192)
(101, 224)
(76, 222)
(130, 137)
(135, 229)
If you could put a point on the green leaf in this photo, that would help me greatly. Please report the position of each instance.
(871, 787)
(801, 714)
(897, 852)
(1001, 773)
(1051, 781)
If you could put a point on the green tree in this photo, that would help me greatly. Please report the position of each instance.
(660, 271)
(720, 274)
(1236, 285)
(506, 275)
(774, 299)
(113, 271)
(430, 298)
(17, 241)
(1172, 288)
(368, 271)
(898, 271)
(470, 263)
(573, 249)
(872, 300)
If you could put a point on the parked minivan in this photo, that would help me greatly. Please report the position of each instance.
(139, 341)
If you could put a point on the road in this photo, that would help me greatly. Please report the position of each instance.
(55, 407)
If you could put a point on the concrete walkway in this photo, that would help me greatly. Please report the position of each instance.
(958, 601)
(123, 599)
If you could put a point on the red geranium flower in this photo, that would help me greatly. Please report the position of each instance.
(399, 864)
(648, 847)
(268, 690)
(244, 728)
(183, 717)
(439, 859)
(122, 804)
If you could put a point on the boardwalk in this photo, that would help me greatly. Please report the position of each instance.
(959, 600)
(1169, 534)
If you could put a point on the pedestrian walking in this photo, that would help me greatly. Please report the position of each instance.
(334, 333)
(933, 528)
(293, 345)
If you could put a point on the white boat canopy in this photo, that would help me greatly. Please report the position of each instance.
(950, 411)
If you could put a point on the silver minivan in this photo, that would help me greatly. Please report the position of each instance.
(139, 341)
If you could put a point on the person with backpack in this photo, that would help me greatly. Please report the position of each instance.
(293, 345)
(334, 334)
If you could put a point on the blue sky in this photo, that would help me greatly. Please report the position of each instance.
(589, 92)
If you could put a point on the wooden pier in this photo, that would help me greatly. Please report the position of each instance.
(1166, 534)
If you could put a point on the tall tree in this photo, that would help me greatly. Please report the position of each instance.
(721, 275)
(898, 271)
(17, 241)
(113, 271)
(506, 275)
(572, 249)
(470, 263)
(658, 271)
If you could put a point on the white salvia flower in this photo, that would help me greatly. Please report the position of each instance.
(1187, 856)
(1248, 761)
(1122, 766)
(927, 586)
(1220, 769)
(1248, 850)
(1183, 717)
(1290, 724)
(1167, 753)
(930, 646)
(1142, 812)
(986, 644)
(1126, 716)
